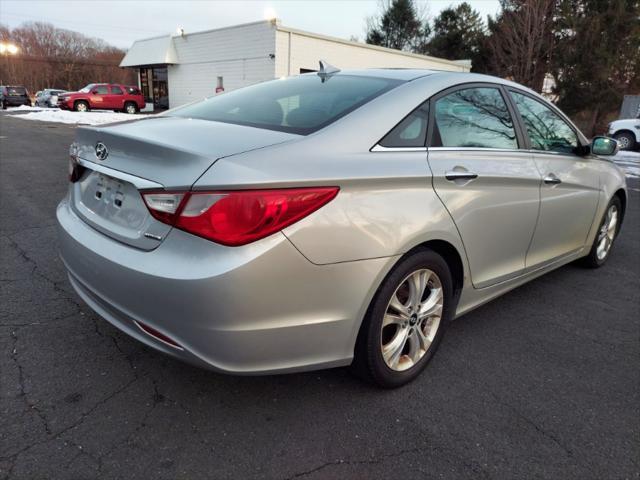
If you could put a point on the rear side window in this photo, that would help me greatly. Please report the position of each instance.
(547, 131)
(116, 90)
(410, 132)
(133, 91)
(302, 104)
(473, 117)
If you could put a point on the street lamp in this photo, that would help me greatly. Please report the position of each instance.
(8, 48)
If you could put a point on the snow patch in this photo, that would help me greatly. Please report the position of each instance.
(24, 108)
(629, 162)
(65, 116)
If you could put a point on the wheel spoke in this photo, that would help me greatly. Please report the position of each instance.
(393, 350)
(417, 284)
(423, 339)
(415, 349)
(391, 319)
(433, 305)
(398, 306)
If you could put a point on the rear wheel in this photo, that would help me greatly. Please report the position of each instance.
(130, 108)
(405, 321)
(607, 232)
(626, 140)
(4, 105)
(81, 106)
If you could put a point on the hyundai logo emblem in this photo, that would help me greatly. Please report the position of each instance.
(101, 151)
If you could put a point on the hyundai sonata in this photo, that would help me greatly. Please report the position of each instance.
(329, 219)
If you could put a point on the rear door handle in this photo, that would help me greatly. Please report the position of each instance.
(551, 179)
(458, 175)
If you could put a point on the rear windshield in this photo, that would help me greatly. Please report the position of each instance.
(301, 104)
(17, 90)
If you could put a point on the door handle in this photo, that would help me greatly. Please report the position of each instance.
(551, 179)
(460, 175)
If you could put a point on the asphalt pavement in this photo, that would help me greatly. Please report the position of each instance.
(543, 382)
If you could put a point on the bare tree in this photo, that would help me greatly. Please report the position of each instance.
(51, 57)
(522, 41)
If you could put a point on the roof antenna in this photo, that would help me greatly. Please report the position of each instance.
(326, 70)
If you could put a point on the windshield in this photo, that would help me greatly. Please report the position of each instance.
(301, 104)
(87, 89)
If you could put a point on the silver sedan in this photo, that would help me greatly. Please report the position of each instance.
(331, 219)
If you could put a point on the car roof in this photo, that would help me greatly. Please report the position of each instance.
(405, 74)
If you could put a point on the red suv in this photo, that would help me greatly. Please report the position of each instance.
(103, 96)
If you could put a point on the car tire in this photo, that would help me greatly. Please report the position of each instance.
(130, 108)
(605, 237)
(393, 347)
(626, 140)
(81, 106)
(4, 105)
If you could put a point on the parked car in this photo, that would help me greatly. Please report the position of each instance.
(48, 97)
(14, 96)
(103, 96)
(331, 219)
(626, 132)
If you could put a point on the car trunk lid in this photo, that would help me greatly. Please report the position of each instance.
(160, 153)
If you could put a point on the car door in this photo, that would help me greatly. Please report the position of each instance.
(570, 188)
(116, 97)
(100, 97)
(489, 185)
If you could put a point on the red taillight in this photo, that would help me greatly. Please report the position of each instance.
(238, 217)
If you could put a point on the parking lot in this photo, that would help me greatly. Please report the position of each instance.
(541, 383)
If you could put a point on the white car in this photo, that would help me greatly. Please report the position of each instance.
(626, 132)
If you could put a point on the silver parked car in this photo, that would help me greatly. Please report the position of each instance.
(48, 97)
(331, 219)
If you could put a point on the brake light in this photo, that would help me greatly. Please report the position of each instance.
(236, 218)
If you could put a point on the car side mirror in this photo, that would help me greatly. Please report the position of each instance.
(95, 92)
(604, 146)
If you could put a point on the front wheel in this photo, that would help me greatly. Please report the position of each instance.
(405, 321)
(81, 106)
(607, 232)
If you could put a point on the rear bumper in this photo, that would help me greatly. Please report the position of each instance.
(261, 308)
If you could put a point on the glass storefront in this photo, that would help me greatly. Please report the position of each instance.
(155, 87)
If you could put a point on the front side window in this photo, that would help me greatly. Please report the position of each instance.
(101, 90)
(116, 90)
(410, 132)
(302, 104)
(547, 131)
(474, 118)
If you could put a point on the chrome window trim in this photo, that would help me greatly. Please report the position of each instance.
(139, 183)
(476, 149)
(380, 148)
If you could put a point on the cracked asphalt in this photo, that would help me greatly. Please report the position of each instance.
(541, 383)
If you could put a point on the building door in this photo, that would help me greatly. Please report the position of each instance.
(160, 88)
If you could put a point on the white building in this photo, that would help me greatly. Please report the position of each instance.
(177, 69)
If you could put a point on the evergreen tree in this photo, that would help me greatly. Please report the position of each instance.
(597, 56)
(458, 33)
(399, 26)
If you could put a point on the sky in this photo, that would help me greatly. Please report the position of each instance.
(121, 22)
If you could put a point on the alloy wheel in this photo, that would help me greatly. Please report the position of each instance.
(412, 319)
(607, 232)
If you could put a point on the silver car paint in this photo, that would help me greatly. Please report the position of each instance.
(295, 300)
